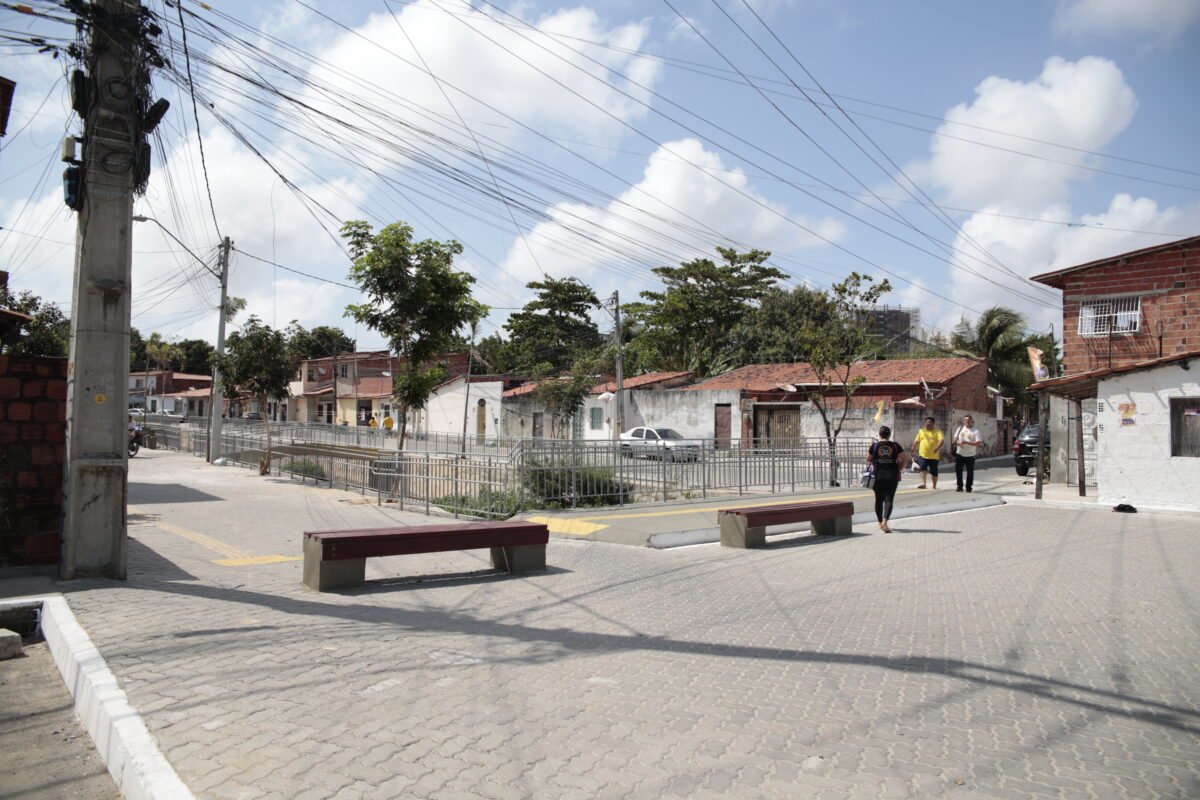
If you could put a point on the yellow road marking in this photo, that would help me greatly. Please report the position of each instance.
(250, 561)
(584, 526)
(568, 526)
(233, 557)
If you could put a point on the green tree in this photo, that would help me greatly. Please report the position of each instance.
(773, 331)
(195, 356)
(1001, 335)
(256, 362)
(555, 328)
(137, 350)
(48, 333)
(687, 325)
(563, 395)
(834, 343)
(322, 341)
(416, 300)
(163, 354)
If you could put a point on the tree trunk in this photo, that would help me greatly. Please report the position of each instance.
(403, 423)
(264, 463)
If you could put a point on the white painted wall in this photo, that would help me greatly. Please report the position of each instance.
(444, 411)
(692, 413)
(1134, 463)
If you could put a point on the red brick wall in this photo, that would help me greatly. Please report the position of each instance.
(968, 391)
(33, 412)
(1175, 274)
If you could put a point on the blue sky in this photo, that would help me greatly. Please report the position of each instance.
(606, 187)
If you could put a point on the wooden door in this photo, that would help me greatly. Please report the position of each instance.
(722, 424)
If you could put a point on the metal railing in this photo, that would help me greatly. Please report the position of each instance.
(532, 474)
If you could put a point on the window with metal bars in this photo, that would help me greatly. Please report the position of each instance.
(1114, 315)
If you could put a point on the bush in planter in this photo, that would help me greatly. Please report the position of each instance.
(496, 504)
(562, 485)
(308, 468)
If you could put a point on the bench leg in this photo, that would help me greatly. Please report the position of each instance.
(325, 576)
(735, 532)
(829, 527)
(523, 558)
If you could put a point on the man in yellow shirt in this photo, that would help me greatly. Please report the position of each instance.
(928, 447)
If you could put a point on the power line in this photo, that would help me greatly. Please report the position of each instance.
(196, 115)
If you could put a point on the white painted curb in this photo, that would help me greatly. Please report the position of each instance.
(122, 739)
(662, 541)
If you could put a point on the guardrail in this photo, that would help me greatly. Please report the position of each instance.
(532, 474)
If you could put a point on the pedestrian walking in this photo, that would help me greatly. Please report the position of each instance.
(928, 447)
(887, 460)
(966, 443)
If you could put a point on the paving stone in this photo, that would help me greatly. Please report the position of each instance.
(1028, 652)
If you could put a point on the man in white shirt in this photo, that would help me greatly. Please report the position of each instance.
(966, 443)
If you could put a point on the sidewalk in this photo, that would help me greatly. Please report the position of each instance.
(1007, 652)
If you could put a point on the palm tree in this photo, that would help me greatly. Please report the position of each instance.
(1000, 335)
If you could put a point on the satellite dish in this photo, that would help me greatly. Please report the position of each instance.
(606, 396)
(788, 387)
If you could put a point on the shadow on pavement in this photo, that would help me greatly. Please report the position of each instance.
(148, 493)
(437, 581)
(568, 641)
(144, 559)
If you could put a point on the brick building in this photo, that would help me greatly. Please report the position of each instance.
(1128, 397)
(33, 408)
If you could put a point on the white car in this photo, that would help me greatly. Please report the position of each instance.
(659, 443)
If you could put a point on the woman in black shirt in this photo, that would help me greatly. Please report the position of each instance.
(887, 459)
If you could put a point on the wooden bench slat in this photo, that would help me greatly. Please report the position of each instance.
(375, 542)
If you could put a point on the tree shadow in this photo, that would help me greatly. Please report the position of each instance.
(547, 644)
(143, 494)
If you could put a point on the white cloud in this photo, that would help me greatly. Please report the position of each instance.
(1083, 104)
(532, 76)
(1031, 248)
(1158, 20)
(643, 221)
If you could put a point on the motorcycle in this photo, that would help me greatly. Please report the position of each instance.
(135, 441)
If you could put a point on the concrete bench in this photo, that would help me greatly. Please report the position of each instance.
(337, 559)
(746, 527)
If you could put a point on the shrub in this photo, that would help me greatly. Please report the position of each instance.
(308, 468)
(491, 503)
(555, 485)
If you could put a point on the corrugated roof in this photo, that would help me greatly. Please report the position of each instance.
(641, 381)
(1082, 385)
(206, 392)
(908, 371)
(1054, 277)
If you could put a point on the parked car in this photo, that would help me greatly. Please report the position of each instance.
(659, 443)
(137, 412)
(1025, 448)
(252, 415)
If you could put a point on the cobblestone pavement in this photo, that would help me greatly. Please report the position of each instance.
(1010, 652)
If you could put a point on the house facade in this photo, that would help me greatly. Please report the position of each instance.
(770, 402)
(168, 392)
(1130, 345)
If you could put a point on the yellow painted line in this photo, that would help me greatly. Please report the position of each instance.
(233, 557)
(250, 561)
(714, 508)
(568, 526)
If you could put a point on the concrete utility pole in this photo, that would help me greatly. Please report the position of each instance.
(218, 391)
(619, 416)
(95, 474)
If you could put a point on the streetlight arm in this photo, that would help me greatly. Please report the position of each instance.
(141, 218)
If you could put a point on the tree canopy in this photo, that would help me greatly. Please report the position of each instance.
(687, 325)
(256, 362)
(319, 342)
(48, 333)
(415, 299)
(555, 328)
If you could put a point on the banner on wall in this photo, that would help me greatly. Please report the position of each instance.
(1040, 373)
(1128, 413)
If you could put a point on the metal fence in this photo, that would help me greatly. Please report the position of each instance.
(530, 474)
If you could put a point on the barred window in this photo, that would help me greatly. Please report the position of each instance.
(1115, 315)
(597, 418)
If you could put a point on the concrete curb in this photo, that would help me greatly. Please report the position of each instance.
(1083, 505)
(122, 740)
(663, 541)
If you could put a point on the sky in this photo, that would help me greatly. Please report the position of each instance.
(952, 148)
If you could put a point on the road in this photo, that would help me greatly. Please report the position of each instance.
(636, 525)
